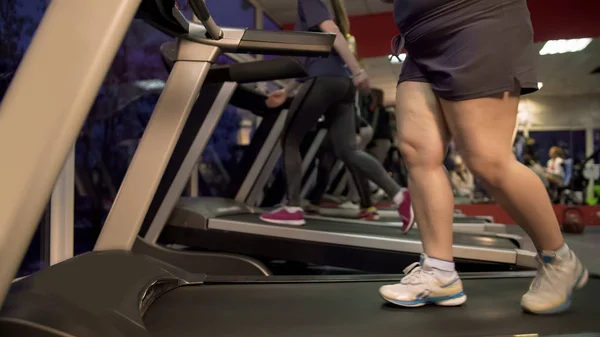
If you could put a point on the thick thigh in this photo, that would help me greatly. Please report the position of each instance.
(483, 130)
(422, 130)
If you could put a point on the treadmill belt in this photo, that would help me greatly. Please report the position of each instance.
(360, 229)
(392, 215)
(460, 219)
(355, 309)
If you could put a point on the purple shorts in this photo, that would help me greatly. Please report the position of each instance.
(469, 49)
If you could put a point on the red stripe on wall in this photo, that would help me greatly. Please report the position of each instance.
(590, 213)
(552, 20)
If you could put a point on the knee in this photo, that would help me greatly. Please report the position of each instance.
(417, 155)
(490, 169)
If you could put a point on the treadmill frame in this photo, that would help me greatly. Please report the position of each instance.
(81, 288)
(180, 153)
(35, 163)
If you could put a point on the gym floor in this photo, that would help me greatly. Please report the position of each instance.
(586, 245)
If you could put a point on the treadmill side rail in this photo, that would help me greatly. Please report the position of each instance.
(202, 262)
(526, 258)
(97, 294)
(196, 212)
(389, 243)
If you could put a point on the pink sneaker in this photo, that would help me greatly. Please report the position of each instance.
(285, 216)
(407, 214)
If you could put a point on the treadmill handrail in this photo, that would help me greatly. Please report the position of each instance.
(243, 40)
(203, 14)
(257, 71)
(242, 72)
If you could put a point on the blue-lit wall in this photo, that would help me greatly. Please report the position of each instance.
(573, 142)
(269, 24)
(121, 110)
(232, 13)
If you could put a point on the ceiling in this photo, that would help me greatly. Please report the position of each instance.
(561, 74)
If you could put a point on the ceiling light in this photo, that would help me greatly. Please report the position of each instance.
(150, 84)
(397, 60)
(564, 46)
(540, 85)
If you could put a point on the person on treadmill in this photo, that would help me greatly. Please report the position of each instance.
(456, 84)
(333, 95)
(357, 200)
(555, 172)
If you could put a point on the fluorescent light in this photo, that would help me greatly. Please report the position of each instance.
(565, 46)
(540, 85)
(397, 60)
(150, 84)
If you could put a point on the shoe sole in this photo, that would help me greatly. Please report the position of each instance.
(285, 222)
(581, 282)
(445, 302)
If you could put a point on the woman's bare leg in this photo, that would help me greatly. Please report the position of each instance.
(423, 138)
(483, 130)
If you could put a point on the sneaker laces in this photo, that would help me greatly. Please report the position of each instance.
(414, 274)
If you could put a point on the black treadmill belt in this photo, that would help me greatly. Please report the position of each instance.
(360, 229)
(355, 309)
(459, 219)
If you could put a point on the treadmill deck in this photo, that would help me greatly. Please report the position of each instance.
(373, 231)
(355, 309)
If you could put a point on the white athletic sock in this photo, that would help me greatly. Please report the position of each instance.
(292, 209)
(444, 270)
(399, 197)
(563, 252)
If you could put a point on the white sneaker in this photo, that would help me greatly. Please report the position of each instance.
(421, 286)
(378, 196)
(349, 205)
(551, 289)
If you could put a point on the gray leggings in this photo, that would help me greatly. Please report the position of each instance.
(333, 97)
(365, 135)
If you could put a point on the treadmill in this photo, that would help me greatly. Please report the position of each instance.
(223, 85)
(229, 224)
(113, 292)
